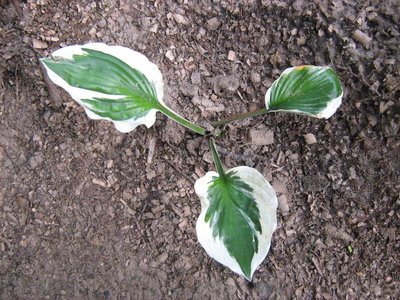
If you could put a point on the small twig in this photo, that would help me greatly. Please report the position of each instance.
(151, 146)
(128, 209)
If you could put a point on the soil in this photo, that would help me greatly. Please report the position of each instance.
(87, 212)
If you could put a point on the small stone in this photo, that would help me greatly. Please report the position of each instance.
(301, 41)
(261, 137)
(92, 32)
(35, 161)
(231, 55)
(361, 37)
(110, 163)
(170, 55)
(283, 204)
(352, 173)
(162, 258)
(23, 203)
(384, 105)
(213, 24)
(37, 44)
(207, 157)
(230, 282)
(102, 23)
(255, 78)
(63, 146)
(253, 107)
(310, 138)
(196, 78)
(180, 19)
(183, 224)
(276, 58)
(151, 174)
(36, 137)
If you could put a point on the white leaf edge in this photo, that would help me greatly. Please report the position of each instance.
(326, 113)
(267, 204)
(134, 59)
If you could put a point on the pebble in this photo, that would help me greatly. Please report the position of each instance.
(384, 105)
(310, 138)
(102, 23)
(180, 19)
(213, 24)
(255, 78)
(261, 136)
(283, 204)
(352, 173)
(170, 55)
(162, 258)
(231, 55)
(35, 161)
(37, 44)
(196, 78)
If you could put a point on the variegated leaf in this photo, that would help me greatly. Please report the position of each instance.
(113, 83)
(238, 216)
(310, 90)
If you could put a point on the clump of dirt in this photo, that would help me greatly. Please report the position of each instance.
(87, 212)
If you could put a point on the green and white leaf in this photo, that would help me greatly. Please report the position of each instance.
(238, 217)
(113, 83)
(310, 90)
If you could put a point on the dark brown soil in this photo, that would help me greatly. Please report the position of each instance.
(89, 213)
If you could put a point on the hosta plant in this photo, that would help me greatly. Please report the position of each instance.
(238, 205)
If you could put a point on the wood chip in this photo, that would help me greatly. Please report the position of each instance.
(100, 182)
(336, 233)
(361, 37)
(37, 44)
(261, 136)
(231, 55)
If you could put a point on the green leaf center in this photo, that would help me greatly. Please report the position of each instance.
(234, 217)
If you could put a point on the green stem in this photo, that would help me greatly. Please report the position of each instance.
(242, 116)
(182, 121)
(216, 158)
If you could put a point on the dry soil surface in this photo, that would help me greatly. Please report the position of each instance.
(87, 212)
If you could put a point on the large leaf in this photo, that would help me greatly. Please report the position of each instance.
(238, 217)
(110, 82)
(113, 83)
(310, 90)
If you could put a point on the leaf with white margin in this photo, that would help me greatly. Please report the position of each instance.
(113, 83)
(238, 217)
(311, 90)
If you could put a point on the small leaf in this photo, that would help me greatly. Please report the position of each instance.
(238, 217)
(110, 82)
(310, 90)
